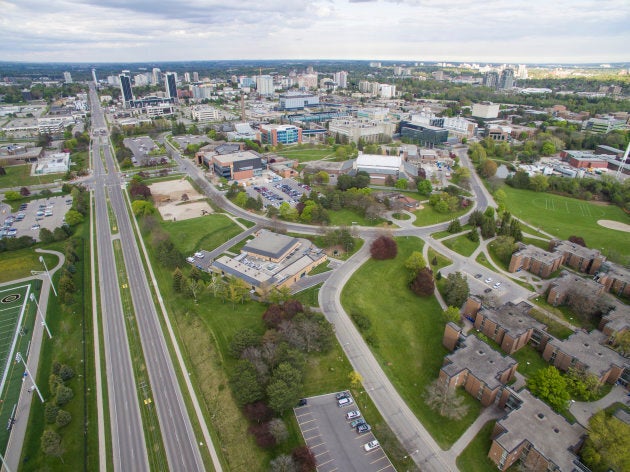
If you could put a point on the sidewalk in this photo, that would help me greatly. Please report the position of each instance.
(584, 410)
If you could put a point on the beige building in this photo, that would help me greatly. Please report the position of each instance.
(370, 131)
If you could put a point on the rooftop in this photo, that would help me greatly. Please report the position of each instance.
(270, 244)
(548, 432)
(481, 360)
(590, 349)
(580, 251)
(514, 319)
(568, 280)
(378, 161)
(538, 254)
(224, 159)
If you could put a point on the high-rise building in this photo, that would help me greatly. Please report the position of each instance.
(125, 88)
(67, 77)
(187, 77)
(506, 81)
(94, 76)
(140, 79)
(264, 85)
(522, 72)
(196, 76)
(341, 79)
(491, 79)
(156, 76)
(170, 80)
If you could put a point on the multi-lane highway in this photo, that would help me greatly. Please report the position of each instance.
(180, 443)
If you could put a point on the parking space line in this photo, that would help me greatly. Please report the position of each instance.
(321, 453)
(324, 463)
(317, 445)
(307, 421)
(390, 466)
(310, 429)
(312, 437)
(379, 459)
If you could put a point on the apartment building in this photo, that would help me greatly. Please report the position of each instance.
(535, 260)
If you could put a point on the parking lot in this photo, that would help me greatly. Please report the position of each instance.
(42, 213)
(141, 147)
(184, 140)
(336, 445)
(275, 193)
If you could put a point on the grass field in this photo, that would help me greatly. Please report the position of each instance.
(461, 244)
(205, 232)
(563, 217)
(18, 264)
(428, 216)
(475, 457)
(20, 176)
(348, 217)
(305, 154)
(379, 291)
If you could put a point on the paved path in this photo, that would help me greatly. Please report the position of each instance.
(13, 451)
(584, 410)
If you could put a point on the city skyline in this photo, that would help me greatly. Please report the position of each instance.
(497, 31)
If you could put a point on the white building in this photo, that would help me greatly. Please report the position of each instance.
(307, 81)
(485, 110)
(53, 164)
(370, 131)
(156, 73)
(297, 101)
(54, 124)
(141, 79)
(341, 79)
(264, 85)
(187, 77)
(67, 77)
(373, 113)
(205, 113)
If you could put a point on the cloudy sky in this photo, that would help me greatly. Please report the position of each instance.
(411, 30)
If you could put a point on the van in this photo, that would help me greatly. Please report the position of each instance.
(344, 402)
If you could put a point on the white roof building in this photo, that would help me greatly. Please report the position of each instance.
(53, 164)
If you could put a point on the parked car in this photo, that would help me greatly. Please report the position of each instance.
(35, 227)
(353, 414)
(478, 276)
(302, 402)
(497, 285)
(371, 445)
(488, 280)
(488, 290)
(346, 401)
(357, 422)
(341, 395)
(363, 428)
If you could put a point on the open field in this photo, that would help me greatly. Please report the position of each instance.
(167, 196)
(305, 154)
(205, 232)
(378, 290)
(20, 176)
(475, 457)
(564, 217)
(19, 264)
(461, 244)
(428, 216)
(348, 217)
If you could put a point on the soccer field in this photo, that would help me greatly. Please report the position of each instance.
(17, 316)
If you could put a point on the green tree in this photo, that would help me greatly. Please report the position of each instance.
(282, 396)
(425, 187)
(142, 208)
(608, 444)
(456, 289)
(444, 400)
(244, 383)
(551, 387)
(461, 175)
(64, 395)
(477, 153)
(415, 262)
(401, 184)
(452, 314)
(178, 278)
(503, 247)
(488, 168)
(51, 444)
(63, 418)
(73, 217)
(539, 183)
(454, 226)
(241, 199)
(12, 196)
(582, 385)
(548, 148)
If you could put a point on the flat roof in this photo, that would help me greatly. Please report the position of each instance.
(251, 275)
(378, 161)
(269, 244)
(481, 360)
(538, 254)
(513, 318)
(567, 246)
(235, 156)
(550, 433)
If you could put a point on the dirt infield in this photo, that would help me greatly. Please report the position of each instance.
(167, 196)
(611, 224)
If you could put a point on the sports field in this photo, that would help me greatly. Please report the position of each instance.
(564, 217)
(17, 317)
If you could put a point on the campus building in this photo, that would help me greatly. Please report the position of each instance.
(125, 89)
(237, 165)
(284, 134)
(578, 257)
(170, 80)
(297, 101)
(535, 260)
(370, 131)
(485, 110)
(422, 134)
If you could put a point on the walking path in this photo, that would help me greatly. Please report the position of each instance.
(584, 410)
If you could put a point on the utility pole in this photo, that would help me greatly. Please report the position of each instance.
(41, 259)
(19, 358)
(33, 299)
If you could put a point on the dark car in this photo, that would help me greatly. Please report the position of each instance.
(302, 402)
(488, 290)
(478, 276)
(341, 395)
(363, 428)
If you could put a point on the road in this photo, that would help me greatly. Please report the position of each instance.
(179, 438)
(128, 442)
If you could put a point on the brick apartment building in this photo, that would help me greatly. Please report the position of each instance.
(577, 257)
(535, 260)
(560, 288)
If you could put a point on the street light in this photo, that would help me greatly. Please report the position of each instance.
(41, 259)
(19, 358)
(33, 299)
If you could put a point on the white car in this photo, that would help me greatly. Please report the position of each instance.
(199, 255)
(190, 259)
(488, 280)
(370, 446)
(497, 285)
(353, 414)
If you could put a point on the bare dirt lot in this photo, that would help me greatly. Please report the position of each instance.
(167, 196)
(614, 225)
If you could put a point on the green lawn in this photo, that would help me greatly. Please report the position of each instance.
(529, 360)
(205, 232)
(305, 154)
(565, 313)
(554, 328)
(348, 217)
(20, 263)
(475, 457)
(442, 261)
(495, 258)
(378, 290)
(428, 216)
(401, 216)
(537, 242)
(461, 244)
(19, 176)
(563, 217)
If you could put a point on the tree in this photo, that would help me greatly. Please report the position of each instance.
(425, 187)
(454, 226)
(461, 175)
(278, 430)
(51, 444)
(283, 463)
(456, 289)
(282, 396)
(142, 208)
(579, 240)
(503, 247)
(355, 379)
(25, 192)
(539, 183)
(241, 340)
(258, 412)
(178, 279)
(304, 458)
(415, 262)
(548, 148)
(582, 385)
(73, 217)
(401, 184)
(262, 435)
(63, 418)
(12, 196)
(452, 314)
(322, 177)
(423, 284)
(444, 400)
(473, 235)
(244, 383)
(549, 385)
(608, 444)
(50, 412)
(622, 342)
(193, 287)
(241, 199)
(65, 372)
(384, 247)
(64, 395)
(488, 168)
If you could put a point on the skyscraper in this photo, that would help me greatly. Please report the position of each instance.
(170, 80)
(125, 88)
(491, 79)
(94, 76)
(187, 77)
(156, 76)
(67, 77)
(264, 85)
(341, 79)
(506, 82)
(196, 76)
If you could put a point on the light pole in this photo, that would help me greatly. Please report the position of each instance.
(33, 299)
(19, 358)
(41, 259)
(4, 463)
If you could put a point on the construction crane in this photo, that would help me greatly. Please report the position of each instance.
(622, 163)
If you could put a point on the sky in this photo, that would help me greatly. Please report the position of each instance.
(514, 31)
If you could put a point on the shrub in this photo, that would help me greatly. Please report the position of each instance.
(362, 321)
(423, 284)
(64, 395)
(304, 458)
(262, 435)
(63, 418)
(50, 412)
(384, 247)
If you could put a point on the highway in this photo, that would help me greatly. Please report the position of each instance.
(180, 443)
(128, 442)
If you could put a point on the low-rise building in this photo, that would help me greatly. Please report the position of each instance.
(560, 288)
(538, 436)
(370, 131)
(588, 352)
(379, 167)
(206, 113)
(425, 135)
(578, 257)
(57, 163)
(474, 365)
(237, 165)
(284, 134)
(614, 278)
(485, 110)
(535, 260)
(584, 159)
(297, 101)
